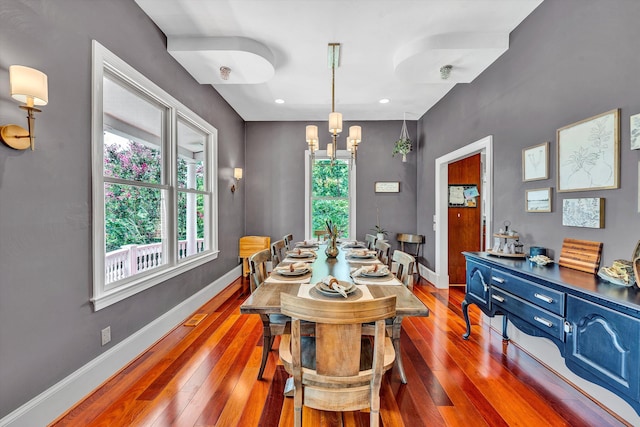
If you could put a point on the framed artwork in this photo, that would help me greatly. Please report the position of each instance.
(535, 162)
(587, 212)
(589, 153)
(636, 251)
(635, 132)
(538, 200)
(387, 187)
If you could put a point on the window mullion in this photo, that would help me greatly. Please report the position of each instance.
(171, 179)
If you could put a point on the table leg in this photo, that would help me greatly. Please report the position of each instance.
(395, 339)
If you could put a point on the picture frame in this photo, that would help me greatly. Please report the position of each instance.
(589, 153)
(634, 131)
(538, 200)
(387, 187)
(535, 162)
(636, 252)
(586, 212)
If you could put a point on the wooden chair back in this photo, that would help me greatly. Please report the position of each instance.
(249, 245)
(288, 241)
(405, 263)
(582, 255)
(320, 235)
(258, 268)
(332, 375)
(370, 239)
(409, 242)
(277, 253)
(383, 252)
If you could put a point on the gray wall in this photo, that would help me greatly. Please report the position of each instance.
(275, 178)
(47, 326)
(569, 60)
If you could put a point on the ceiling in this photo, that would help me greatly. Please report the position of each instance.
(393, 49)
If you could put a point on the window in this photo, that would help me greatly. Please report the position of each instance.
(330, 193)
(154, 195)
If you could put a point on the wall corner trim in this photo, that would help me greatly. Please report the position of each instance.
(51, 403)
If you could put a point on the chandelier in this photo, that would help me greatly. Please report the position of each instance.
(335, 118)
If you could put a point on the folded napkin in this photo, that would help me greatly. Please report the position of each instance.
(334, 284)
(383, 269)
(299, 251)
(362, 252)
(292, 267)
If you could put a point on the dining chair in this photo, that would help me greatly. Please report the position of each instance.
(272, 324)
(405, 264)
(288, 239)
(383, 252)
(277, 253)
(249, 245)
(320, 235)
(337, 369)
(370, 239)
(412, 241)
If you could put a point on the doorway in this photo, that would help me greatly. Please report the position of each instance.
(441, 220)
(465, 214)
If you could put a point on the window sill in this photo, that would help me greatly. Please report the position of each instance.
(133, 287)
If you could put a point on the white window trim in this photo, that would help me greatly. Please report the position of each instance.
(322, 154)
(104, 296)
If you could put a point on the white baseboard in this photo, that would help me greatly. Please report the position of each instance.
(51, 403)
(432, 277)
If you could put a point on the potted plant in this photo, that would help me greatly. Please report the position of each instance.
(380, 232)
(403, 144)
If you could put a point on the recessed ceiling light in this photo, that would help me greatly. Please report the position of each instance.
(279, 101)
(384, 101)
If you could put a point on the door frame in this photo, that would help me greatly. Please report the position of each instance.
(441, 219)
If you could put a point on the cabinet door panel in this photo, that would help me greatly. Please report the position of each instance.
(478, 282)
(604, 343)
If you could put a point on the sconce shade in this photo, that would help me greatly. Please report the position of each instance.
(335, 123)
(312, 134)
(237, 173)
(355, 133)
(28, 85)
(350, 144)
(330, 149)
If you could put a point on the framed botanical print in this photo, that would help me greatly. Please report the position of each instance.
(535, 162)
(589, 153)
(634, 131)
(587, 212)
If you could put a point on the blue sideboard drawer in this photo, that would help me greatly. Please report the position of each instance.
(543, 320)
(541, 296)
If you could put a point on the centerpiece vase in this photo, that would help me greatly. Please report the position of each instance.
(332, 248)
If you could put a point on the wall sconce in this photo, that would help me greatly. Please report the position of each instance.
(237, 174)
(29, 86)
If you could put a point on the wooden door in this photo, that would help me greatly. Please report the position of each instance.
(464, 222)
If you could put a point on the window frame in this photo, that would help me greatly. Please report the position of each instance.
(105, 295)
(322, 154)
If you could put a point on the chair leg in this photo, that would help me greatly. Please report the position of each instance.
(266, 343)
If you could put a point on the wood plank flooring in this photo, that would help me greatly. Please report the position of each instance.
(206, 376)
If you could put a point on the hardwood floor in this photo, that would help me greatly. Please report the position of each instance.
(206, 376)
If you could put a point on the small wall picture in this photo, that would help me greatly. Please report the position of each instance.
(587, 212)
(535, 162)
(538, 200)
(635, 132)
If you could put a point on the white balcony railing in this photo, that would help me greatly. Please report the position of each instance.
(133, 259)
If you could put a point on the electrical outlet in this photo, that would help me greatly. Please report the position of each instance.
(106, 335)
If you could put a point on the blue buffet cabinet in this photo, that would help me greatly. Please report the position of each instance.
(594, 324)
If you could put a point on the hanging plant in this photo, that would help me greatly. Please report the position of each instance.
(403, 144)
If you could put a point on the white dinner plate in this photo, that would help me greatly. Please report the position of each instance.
(326, 290)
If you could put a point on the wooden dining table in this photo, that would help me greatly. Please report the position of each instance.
(265, 299)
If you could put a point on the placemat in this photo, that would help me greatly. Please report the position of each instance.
(277, 278)
(389, 280)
